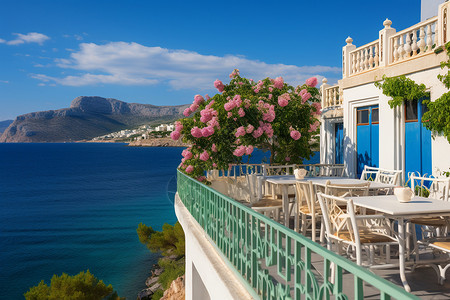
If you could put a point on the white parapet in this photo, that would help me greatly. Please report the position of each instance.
(207, 275)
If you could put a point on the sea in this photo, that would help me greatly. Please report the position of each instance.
(72, 207)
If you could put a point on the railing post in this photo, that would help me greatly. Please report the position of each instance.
(442, 25)
(346, 59)
(386, 56)
(323, 92)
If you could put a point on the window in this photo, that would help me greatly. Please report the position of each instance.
(375, 116)
(411, 112)
(362, 117)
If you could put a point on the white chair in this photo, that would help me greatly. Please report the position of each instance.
(369, 173)
(272, 170)
(265, 205)
(355, 232)
(308, 209)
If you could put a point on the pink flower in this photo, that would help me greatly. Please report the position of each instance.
(193, 107)
(175, 135)
(207, 131)
(187, 154)
(240, 131)
(270, 96)
(198, 99)
(237, 100)
(305, 97)
(206, 115)
(229, 105)
(239, 151)
(249, 128)
(229, 115)
(278, 83)
(283, 100)
(270, 89)
(318, 107)
(189, 169)
(295, 134)
(201, 178)
(312, 82)
(204, 156)
(313, 127)
(249, 150)
(257, 133)
(241, 112)
(187, 112)
(247, 103)
(207, 97)
(219, 85)
(214, 148)
(178, 126)
(288, 158)
(256, 91)
(214, 165)
(196, 132)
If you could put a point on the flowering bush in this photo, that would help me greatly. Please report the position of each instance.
(268, 115)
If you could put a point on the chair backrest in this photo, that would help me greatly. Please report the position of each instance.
(347, 190)
(334, 216)
(369, 173)
(252, 187)
(306, 195)
(324, 170)
(430, 187)
(278, 170)
(388, 176)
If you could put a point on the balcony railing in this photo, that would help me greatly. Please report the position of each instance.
(273, 261)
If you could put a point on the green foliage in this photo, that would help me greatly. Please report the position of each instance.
(437, 118)
(83, 286)
(158, 295)
(401, 88)
(169, 241)
(172, 270)
(445, 79)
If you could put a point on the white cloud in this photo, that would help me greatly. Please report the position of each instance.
(31, 37)
(134, 64)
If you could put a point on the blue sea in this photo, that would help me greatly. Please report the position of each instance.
(73, 207)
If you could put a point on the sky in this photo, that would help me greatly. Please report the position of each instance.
(166, 52)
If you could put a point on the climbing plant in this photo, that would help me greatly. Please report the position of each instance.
(401, 88)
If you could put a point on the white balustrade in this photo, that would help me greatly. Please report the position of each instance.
(415, 40)
(331, 96)
(365, 58)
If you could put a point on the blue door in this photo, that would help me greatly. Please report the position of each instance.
(338, 143)
(367, 137)
(417, 139)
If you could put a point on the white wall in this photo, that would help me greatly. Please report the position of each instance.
(207, 275)
(429, 8)
(391, 126)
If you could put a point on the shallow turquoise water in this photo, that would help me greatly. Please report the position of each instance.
(72, 207)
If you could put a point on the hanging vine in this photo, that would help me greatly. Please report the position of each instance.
(401, 88)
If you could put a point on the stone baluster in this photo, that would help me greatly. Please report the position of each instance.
(366, 61)
(362, 63)
(353, 63)
(414, 46)
(395, 54)
(376, 58)
(386, 50)
(407, 46)
(401, 48)
(357, 62)
(334, 97)
(429, 39)
(371, 57)
(422, 40)
(324, 92)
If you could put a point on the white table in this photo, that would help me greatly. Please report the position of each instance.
(392, 208)
(284, 181)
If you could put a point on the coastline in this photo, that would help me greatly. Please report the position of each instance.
(158, 142)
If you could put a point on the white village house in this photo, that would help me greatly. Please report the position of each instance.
(358, 125)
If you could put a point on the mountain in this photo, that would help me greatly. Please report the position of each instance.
(86, 118)
(4, 125)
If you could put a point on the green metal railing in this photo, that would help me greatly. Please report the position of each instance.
(273, 261)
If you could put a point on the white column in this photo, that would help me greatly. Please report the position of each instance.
(385, 47)
(443, 29)
(346, 59)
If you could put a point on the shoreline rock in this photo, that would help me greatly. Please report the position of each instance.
(158, 142)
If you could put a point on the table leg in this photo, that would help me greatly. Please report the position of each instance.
(402, 248)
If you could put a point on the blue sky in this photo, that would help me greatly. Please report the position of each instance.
(165, 52)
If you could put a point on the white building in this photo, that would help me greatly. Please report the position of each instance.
(359, 127)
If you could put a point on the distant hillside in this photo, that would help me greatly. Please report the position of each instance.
(4, 125)
(86, 118)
